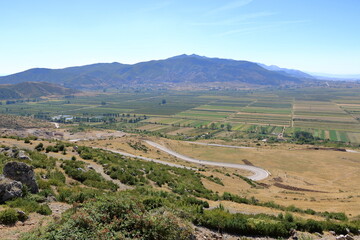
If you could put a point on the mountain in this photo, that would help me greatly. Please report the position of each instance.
(286, 71)
(32, 90)
(183, 69)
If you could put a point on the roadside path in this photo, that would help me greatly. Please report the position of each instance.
(147, 159)
(259, 173)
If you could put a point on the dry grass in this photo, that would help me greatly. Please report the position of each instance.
(336, 173)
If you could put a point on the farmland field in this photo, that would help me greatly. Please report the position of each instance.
(332, 114)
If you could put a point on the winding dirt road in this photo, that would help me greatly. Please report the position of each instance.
(147, 159)
(259, 173)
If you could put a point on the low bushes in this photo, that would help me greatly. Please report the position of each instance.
(77, 170)
(29, 205)
(8, 216)
(120, 217)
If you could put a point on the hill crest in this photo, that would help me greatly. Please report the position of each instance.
(182, 69)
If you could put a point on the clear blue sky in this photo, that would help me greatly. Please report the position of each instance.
(309, 35)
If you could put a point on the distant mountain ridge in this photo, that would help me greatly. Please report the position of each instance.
(182, 69)
(32, 90)
(286, 71)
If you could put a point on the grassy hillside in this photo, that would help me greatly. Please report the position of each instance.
(32, 90)
(16, 122)
(158, 202)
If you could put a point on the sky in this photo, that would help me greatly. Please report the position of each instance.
(309, 35)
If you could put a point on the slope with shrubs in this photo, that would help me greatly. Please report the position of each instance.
(144, 212)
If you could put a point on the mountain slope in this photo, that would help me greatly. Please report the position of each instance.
(176, 70)
(286, 71)
(32, 90)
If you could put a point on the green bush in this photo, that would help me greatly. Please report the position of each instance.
(8, 216)
(121, 217)
(30, 205)
(44, 210)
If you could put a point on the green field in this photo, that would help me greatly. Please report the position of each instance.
(332, 114)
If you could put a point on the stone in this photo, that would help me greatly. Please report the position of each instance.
(349, 237)
(340, 237)
(21, 155)
(51, 198)
(22, 216)
(23, 173)
(9, 189)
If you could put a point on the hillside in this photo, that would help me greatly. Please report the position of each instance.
(114, 195)
(183, 69)
(286, 71)
(20, 122)
(32, 90)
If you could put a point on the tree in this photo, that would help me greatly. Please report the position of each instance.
(39, 147)
(163, 101)
(228, 127)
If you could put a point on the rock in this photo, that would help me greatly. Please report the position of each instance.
(9, 189)
(340, 237)
(349, 237)
(50, 198)
(22, 216)
(332, 233)
(318, 234)
(10, 152)
(23, 173)
(23, 156)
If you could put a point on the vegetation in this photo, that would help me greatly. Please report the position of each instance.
(78, 171)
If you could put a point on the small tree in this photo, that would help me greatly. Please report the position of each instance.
(39, 147)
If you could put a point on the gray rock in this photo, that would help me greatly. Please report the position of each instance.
(9, 189)
(23, 173)
(23, 156)
(348, 237)
(51, 198)
(340, 237)
(22, 216)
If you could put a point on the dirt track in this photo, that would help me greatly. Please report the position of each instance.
(259, 173)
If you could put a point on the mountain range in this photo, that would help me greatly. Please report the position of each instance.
(182, 69)
(32, 90)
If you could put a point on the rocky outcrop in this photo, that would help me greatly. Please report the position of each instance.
(22, 155)
(23, 173)
(9, 189)
(15, 153)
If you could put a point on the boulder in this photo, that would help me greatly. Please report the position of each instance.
(23, 156)
(9, 189)
(349, 237)
(340, 237)
(23, 173)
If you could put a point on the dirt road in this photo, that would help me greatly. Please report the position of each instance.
(259, 173)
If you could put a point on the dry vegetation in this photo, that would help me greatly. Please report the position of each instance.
(18, 122)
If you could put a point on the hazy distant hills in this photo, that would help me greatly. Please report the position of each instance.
(32, 90)
(286, 71)
(183, 69)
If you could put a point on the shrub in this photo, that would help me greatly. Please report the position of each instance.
(8, 216)
(44, 210)
(39, 147)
